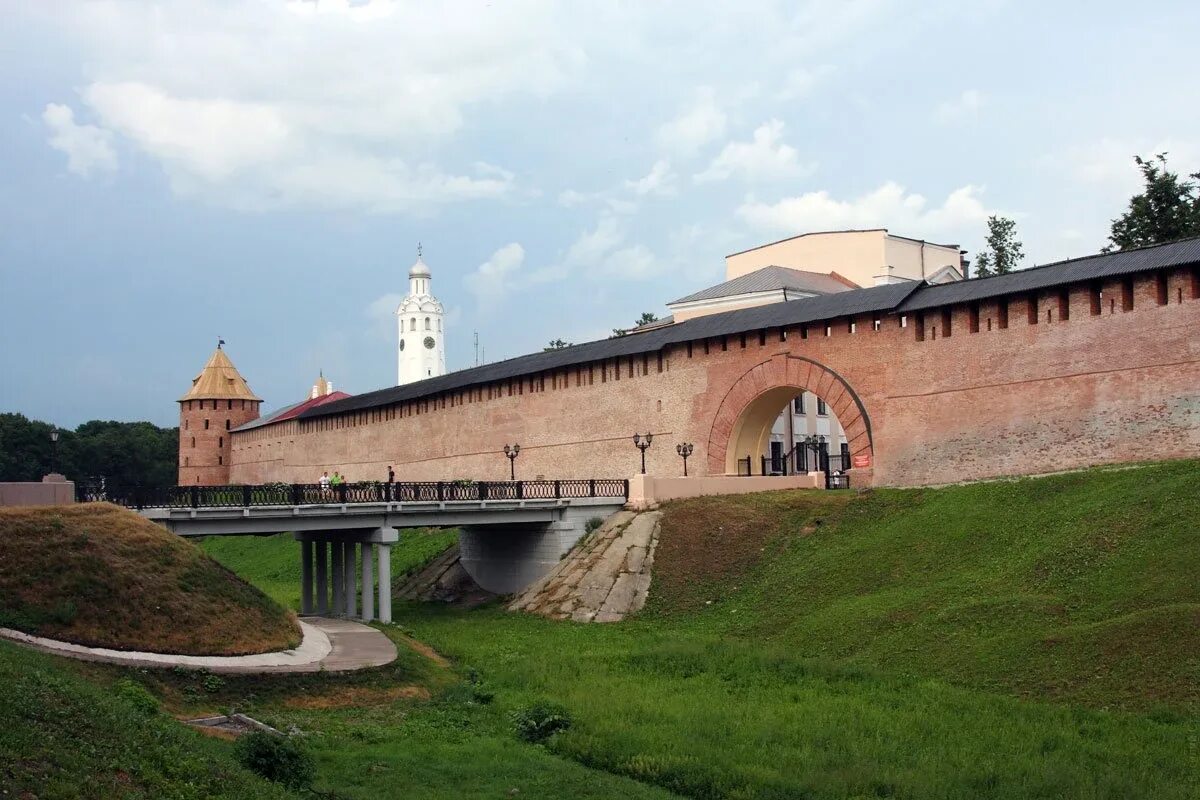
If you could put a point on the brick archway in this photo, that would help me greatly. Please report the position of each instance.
(755, 399)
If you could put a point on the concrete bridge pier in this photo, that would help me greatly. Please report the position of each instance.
(507, 558)
(329, 560)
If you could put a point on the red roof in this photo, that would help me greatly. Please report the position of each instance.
(296, 410)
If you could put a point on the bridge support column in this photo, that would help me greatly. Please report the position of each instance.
(306, 576)
(322, 576)
(385, 582)
(350, 581)
(368, 581)
(339, 577)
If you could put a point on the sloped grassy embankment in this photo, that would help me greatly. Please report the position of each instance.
(103, 576)
(1031, 638)
(64, 736)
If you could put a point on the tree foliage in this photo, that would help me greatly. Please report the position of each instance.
(1003, 251)
(125, 453)
(1166, 210)
(645, 319)
(557, 344)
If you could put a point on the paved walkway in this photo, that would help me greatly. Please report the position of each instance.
(333, 645)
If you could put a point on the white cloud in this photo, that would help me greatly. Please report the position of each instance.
(496, 277)
(659, 180)
(326, 104)
(88, 148)
(965, 106)
(889, 206)
(702, 122)
(801, 81)
(1109, 163)
(765, 157)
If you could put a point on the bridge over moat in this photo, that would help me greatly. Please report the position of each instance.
(510, 532)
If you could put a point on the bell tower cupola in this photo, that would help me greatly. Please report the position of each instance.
(421, 352)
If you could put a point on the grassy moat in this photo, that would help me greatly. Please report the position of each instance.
(1033, 638)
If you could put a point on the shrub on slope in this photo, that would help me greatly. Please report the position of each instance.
(103, 576)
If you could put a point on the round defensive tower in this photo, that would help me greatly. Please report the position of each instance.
(219, 401)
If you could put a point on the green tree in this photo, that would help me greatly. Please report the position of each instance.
(125, 453)
(645, 319)
(557, 344)
(1167, 209)
(1003, 251)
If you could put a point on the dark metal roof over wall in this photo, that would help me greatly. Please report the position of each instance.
(1089, 268)
(770, 279)
(896, 298)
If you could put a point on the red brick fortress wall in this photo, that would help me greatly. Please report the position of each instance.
(1061, 379)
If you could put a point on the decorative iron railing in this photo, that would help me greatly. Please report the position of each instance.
(298, 494)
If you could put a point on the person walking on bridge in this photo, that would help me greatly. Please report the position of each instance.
(391, 483)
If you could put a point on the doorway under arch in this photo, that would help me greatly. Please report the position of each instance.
(748, 411)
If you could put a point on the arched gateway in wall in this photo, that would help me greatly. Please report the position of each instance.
(742, 425)
(1078, 363)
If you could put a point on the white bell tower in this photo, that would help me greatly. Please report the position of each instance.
(419, 318)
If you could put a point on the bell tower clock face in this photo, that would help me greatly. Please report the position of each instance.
(429, 343)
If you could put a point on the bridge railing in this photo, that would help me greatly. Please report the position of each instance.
(297, 494)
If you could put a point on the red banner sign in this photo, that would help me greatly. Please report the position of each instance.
(862, 461)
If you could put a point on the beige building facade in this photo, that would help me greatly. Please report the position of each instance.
(867, 257)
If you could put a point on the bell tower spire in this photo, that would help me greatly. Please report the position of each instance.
(421, 347)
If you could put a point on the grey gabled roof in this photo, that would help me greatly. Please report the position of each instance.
(768, 279)
(1059, 273)
(896, 298)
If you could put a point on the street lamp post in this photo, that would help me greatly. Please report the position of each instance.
(54, 450)
(512, 453)
(813, 443)
(684, 451)
(642, 443)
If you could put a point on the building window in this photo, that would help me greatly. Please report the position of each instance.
(220, 460)
(1033, 309)
(220, 442)
(412, 324)
(205, 424)
(1002, 313)
(229, 406)
(427, 324)
(193, 441)
(973, 318)
(185, 424)
(821, 409)
(798, 404)
(186, 461)
(1160, 285)
(1064, 305)
(1127, 294)
(226, 424)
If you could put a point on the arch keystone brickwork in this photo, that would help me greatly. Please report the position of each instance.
(756, 398)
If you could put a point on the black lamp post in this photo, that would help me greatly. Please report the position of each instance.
(814, 443)
(512, 453)
(54, 450)
(641, 443)
(684, 451)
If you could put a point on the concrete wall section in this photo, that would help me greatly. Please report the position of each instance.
(45, 493)
(924, 399)
(646, 491)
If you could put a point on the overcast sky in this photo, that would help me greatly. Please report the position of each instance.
(263, 171)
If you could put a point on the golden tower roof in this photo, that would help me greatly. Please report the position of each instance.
(219, 380)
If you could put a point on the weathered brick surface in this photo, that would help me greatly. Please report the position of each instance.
(205, 452)
(1122, 385)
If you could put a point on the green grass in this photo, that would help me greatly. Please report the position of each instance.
(272, 563)
(63, 736)
(1018, 639)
